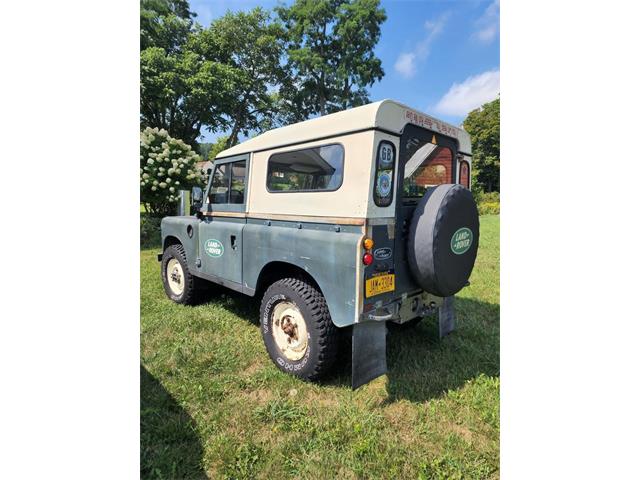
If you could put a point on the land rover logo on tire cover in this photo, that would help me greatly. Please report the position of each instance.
(213, 247)
(461, 240)
(382, 253)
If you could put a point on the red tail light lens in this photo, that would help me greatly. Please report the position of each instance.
(367, 259)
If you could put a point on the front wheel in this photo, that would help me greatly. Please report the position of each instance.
(179, 285)
(297, 329)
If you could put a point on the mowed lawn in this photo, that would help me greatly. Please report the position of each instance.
(213, 405)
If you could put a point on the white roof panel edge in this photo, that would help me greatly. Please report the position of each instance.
(385, 114)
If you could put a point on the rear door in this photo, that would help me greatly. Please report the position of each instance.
(426, 159)
(224, 219)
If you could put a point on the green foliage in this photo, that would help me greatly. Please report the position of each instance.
(488, 203)
(167, 165)
(250, 72)
(330, 54)
(181, 92)
(164, 24)
(219, 145)
(483, 124)
(149, 230)
(252, 44)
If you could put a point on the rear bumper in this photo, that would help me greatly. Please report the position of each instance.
(403, 308)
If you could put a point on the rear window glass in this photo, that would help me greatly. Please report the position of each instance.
(430, 166)
(464, 173)
(307, 170)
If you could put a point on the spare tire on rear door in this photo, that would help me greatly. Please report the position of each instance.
(443, 239)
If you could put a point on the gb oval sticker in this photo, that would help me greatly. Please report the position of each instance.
(213, 247)
(461, 240)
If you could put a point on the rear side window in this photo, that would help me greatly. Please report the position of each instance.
(430, 166)
(464, 173)
(307, 170)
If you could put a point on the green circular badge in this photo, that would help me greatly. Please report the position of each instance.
(214, 248)
(461, 240)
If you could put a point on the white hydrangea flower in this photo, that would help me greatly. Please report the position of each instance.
(171, 189)
(149, 162)
(163, 185)
(145, 175)
(153, 188)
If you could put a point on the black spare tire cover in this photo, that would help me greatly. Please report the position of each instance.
(443, 239)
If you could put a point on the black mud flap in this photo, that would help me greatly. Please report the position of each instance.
(368, 352)
(446, 317)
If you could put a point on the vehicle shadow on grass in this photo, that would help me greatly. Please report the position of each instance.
(169, 444)
(421, 366)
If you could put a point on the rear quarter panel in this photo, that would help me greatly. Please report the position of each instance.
(329, 256)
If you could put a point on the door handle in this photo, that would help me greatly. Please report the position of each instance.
(234, 245)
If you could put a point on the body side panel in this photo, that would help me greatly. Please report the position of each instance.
(329, 253)
(178, 227)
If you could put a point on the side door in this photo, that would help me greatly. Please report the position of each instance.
(223, 221)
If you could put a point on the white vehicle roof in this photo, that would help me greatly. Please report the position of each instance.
(386, 115)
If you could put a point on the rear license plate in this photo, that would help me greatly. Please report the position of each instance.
(380, 284)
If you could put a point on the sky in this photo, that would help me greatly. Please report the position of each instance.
(441, 57)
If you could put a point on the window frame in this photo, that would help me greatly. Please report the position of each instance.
(453, 177)
(393, 173)
(307, 190)
(468, 163)
(229, 207)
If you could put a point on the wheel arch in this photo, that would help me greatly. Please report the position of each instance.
(277, 270)
(170, 240)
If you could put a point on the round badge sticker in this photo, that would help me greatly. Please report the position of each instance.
(214, 248)
(384, 184)
(461, 240)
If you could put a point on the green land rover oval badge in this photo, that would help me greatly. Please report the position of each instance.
(461, 240)
(214, 248)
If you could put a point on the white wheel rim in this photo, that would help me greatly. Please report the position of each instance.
(289, 330)
(175, 277)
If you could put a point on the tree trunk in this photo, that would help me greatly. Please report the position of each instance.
(233, 136)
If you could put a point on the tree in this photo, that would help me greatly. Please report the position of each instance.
(167, 165)
(182, 92)
(483, 124)
(330, 54)
(164, 24)
(253, 45)
(219, 145)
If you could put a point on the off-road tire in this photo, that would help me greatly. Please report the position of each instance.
(189, 294)
(322, 334)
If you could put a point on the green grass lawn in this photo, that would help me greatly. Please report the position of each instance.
(213, 405)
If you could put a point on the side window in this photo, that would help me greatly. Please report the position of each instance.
(238, 173)
(306, 170)
(385, 166)
(464, 173)
(430, 166)
(219, 192)
(228, 183)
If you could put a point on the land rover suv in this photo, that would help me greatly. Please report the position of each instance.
(339, 225)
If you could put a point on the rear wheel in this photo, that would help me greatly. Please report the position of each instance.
(179, 285)
(297, 329)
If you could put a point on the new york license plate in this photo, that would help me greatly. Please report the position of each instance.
(380, 284)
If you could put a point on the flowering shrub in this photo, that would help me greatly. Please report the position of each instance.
(167, 165)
